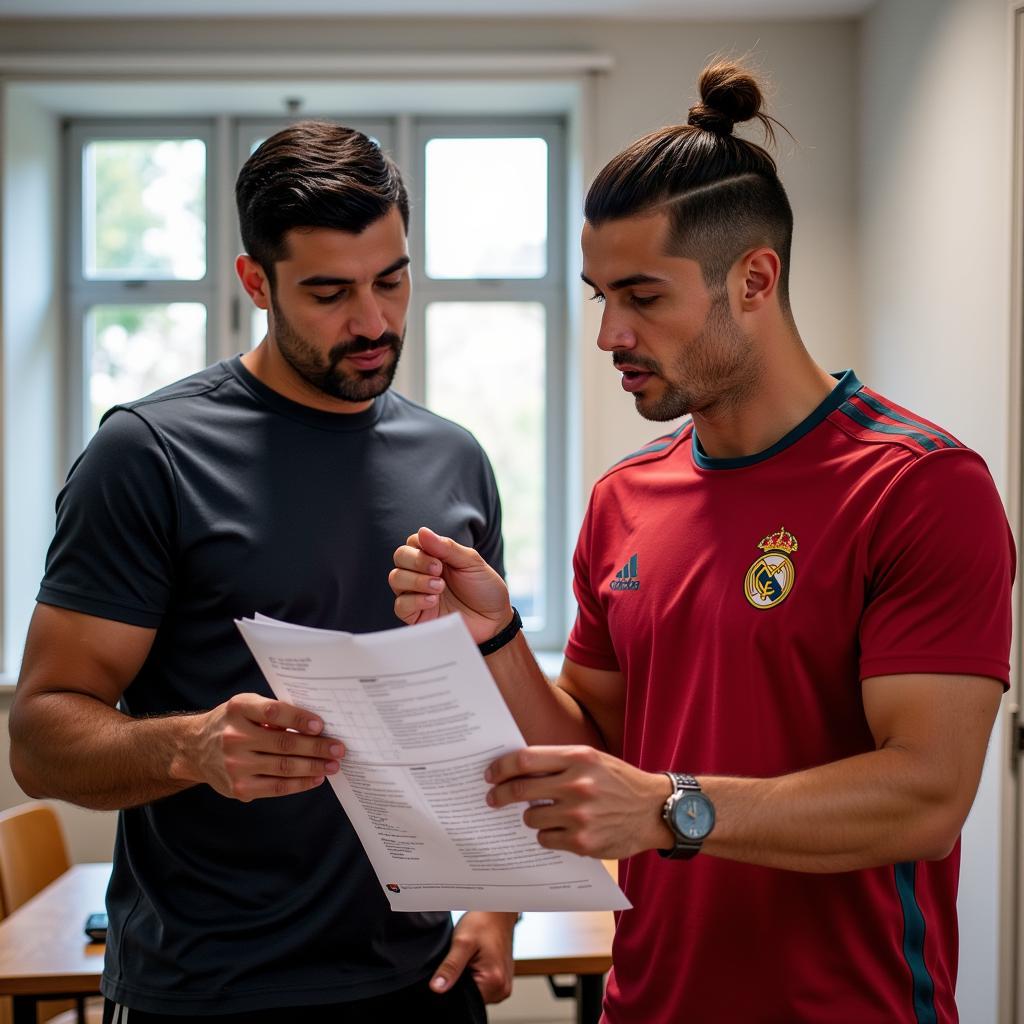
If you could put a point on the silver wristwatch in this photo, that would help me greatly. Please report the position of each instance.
(690, 816)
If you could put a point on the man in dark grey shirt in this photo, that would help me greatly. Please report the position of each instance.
(280, 482)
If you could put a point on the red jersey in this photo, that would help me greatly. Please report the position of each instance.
(744, 600)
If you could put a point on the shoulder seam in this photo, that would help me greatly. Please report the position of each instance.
(883, 408)
(462, 430)
(157, 399)
(924, 436)
(671, 441)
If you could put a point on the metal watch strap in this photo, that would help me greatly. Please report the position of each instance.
(681, 783)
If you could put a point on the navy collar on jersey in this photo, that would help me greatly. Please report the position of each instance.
(847, 386)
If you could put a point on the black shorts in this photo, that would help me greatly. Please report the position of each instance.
(461, 1004)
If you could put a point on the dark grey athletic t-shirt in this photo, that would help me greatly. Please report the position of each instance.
(213, 499)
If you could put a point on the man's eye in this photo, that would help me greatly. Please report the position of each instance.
(643, 300)
(597, 297)
(389, 286)
(326, 299)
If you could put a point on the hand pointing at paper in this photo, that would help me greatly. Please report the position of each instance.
(435, 576)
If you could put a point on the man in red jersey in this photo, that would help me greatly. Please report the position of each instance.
(792, 636)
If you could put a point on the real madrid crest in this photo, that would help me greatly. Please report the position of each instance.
(770, 579)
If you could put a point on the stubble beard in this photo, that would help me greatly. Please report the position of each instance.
(326, 375)
(718, 368)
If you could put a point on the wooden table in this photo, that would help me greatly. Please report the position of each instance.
(44, 952)
(575, 942)
(43, 949)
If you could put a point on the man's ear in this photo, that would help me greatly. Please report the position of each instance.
(254, 280)
(758, 272)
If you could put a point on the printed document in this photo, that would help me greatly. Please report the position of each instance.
(421, 719)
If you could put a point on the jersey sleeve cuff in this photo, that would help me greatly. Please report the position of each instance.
(74, 601)
(907, 664)
(589, 658)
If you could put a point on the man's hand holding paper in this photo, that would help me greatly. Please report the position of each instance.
(251, 747)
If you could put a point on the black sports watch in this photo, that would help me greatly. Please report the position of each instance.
(690, 816)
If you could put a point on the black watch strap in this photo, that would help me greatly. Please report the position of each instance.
(507, 635)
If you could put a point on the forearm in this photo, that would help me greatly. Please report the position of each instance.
(906, 800)
(73, 747)
(544, 713)
(881, 807)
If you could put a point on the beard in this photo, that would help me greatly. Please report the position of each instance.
(327, 374)
(717, 367)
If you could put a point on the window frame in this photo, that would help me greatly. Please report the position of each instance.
(549, 291)
(228, 328)
(83, 293)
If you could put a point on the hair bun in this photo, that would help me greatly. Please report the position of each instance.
(710, 120)
(729, 94)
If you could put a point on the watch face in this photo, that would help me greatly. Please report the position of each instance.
(693, 816)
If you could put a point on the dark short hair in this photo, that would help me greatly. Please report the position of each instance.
(314, 174)
(722, 193)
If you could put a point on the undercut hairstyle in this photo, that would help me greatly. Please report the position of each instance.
(313, 174)
(722, 193)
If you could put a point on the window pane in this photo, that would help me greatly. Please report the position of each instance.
(257, 326)
(485, 370)
(134, 350)
(486, 208)
(145, 209)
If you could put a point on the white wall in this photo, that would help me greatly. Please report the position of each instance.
(935, 155)
(30, 319)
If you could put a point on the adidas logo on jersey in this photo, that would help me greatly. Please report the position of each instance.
(627, 578)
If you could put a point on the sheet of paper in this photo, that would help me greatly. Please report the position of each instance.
(422, 718)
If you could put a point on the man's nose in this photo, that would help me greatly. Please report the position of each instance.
(614, 333)
(367, 320)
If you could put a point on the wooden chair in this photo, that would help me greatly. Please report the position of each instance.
(33, 852)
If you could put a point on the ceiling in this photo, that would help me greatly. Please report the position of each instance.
(676, 10)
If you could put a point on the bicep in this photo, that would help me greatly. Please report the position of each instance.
(602, 695)
(70, 652)
(944, 721)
